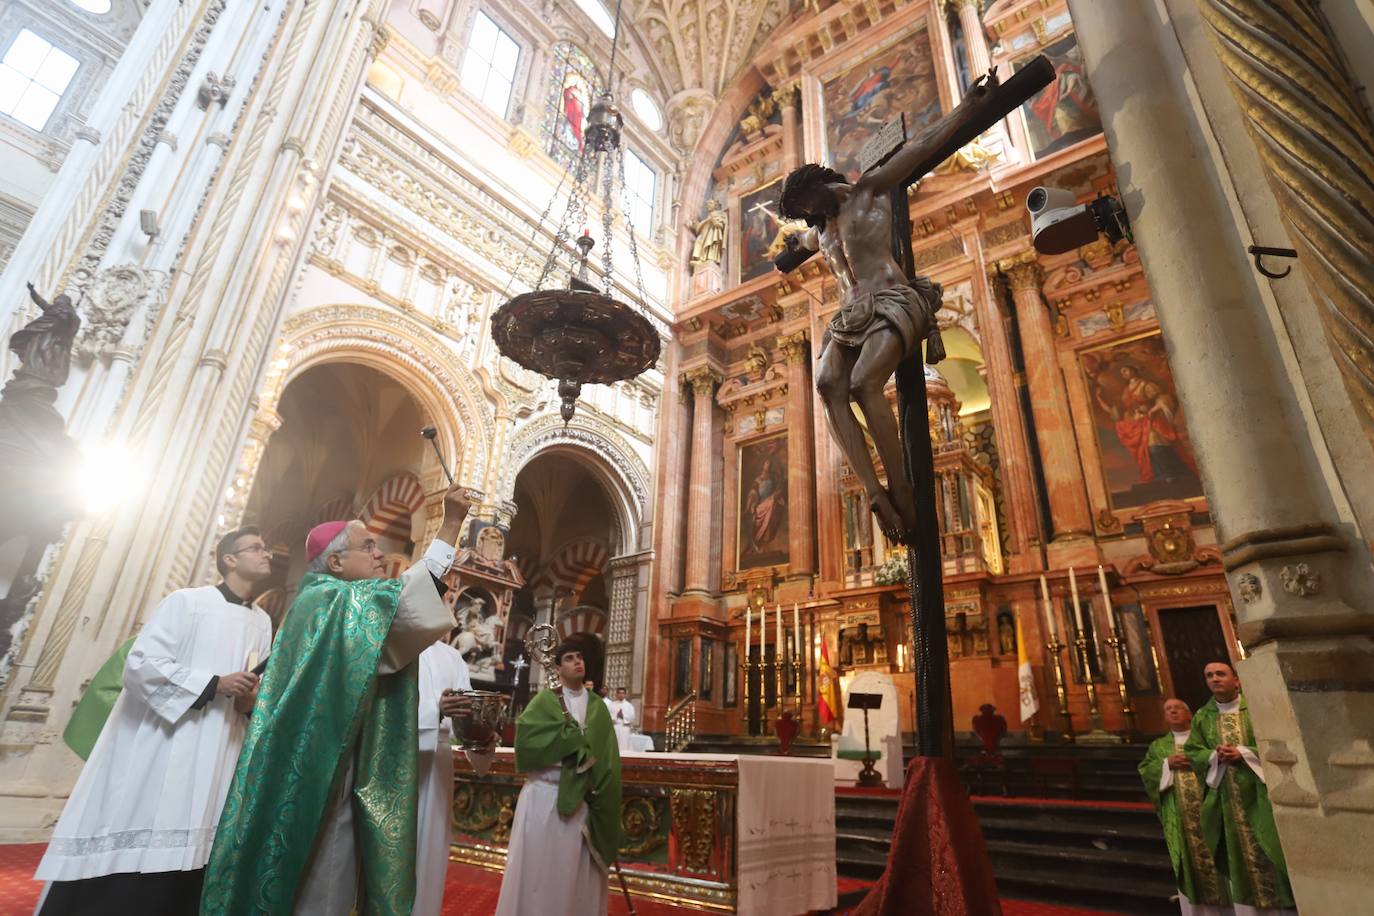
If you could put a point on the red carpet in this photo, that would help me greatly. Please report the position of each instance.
(471, 891)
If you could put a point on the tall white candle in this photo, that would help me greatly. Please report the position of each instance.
(1077, 611)
(748, 627)
(796, 631)
(1106, 597)
(763, 627)
(1049, 609)
(778, 650)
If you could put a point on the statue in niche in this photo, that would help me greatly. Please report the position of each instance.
(476, 641)
(709, 246)
(1006, 633)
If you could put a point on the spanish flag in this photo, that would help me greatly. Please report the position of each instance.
(826, 704)
(1030, 703)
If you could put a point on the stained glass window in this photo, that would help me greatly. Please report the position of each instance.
(569, 99)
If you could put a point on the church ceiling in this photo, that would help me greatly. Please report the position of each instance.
(704, 44)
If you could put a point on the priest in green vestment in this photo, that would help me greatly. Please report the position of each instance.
(1237, 818)
(1176, 790)
(566, 831)
(88, 719)
(321, 816)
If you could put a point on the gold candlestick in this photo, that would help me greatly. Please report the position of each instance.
(1054, 647)
(1098, 734)
(1127, 710)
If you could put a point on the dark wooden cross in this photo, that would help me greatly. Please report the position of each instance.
(930, 650)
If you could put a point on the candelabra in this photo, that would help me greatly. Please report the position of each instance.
(746, 697)
(1098, 734)
(797, 681)
(1061, 693)
(1119, 652)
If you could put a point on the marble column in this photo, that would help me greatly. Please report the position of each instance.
(975, 40)
(1070, 542)
(1009, 427)
(702, 529)
(801, 468)
(1298, 564)
(787, 99)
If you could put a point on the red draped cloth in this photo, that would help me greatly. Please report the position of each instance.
(937, 863)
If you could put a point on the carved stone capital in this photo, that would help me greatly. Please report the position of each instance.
(703, 380)
(1023, 272)
(794, 347)
(954, 6)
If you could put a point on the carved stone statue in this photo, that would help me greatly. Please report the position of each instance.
(477, 641)
(709, 246)
(44, 345)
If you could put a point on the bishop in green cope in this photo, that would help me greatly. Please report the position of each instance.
(1176, 790)
(1237, 819)
(324, 797)
(566, 832)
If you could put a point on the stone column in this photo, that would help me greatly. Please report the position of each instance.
(701, 527)
(975, 40)
(1070, 541)
(787, 98)
(1299, 566)
(801, 466)
(1013, 452)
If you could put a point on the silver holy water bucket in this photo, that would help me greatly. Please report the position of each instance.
(478, 727)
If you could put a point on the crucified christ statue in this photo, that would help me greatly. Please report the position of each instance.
(884, 315)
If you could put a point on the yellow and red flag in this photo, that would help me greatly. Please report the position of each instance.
(826, 703)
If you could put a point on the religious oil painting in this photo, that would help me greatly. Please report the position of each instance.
(1064, 113)
(760, 228)
(730, 675)
(763, 503)
(707, 681)
(1141, 679)
(897, 79)
(1141, 429)
(682, 674)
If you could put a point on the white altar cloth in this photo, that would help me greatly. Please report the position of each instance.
(786, 835)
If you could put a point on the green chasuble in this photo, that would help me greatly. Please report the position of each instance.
(1179, 808)
(1237, 819)
(320, 701)
(90, 714)
(545, 737)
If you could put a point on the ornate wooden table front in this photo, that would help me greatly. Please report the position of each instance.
(748, 834)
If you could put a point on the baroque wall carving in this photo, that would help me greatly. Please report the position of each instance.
(109, 302)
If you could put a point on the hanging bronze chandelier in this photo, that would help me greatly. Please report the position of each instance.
(581, 334)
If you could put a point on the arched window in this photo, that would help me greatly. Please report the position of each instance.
(571, 87)
(644, 107)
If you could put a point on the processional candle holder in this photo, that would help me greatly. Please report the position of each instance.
(580, 334)
(1119, 653)
(1054, 647)
(1098, 734)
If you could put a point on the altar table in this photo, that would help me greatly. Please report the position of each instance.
(723, 832)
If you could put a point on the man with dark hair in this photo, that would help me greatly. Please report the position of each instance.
(566, 832)
(1237, 818)
(136, 833)
(883, 315)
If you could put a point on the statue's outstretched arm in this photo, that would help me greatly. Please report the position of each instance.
(38, 300)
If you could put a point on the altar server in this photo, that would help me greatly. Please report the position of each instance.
(442, 672)
(566, 832)
(321, 816)
(623, 718)
(136, 832)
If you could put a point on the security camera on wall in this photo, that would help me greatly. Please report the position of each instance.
(1059, 223)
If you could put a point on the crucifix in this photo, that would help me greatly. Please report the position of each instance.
(886, 311)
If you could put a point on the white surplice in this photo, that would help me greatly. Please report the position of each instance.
(150, 796)
(441, 668)
(330, 884)
(622, 718)
(549, 868)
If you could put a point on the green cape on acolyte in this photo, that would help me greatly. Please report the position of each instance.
(319, 701)
(1194, 868)
(96, 703)
(1238, 811)
(544, 738)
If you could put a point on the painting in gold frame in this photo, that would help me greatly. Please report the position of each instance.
(1139, 423)
(762, 506)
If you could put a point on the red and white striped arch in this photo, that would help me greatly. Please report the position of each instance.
(339, 508)
(578, 563)
(585, 619)
(388, 512)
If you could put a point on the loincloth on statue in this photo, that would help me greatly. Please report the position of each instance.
(908, 310)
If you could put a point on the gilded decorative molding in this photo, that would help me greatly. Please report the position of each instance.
(694, 825)
(703, 380)
(1023, 271)
(794, 347)
(1316, 144)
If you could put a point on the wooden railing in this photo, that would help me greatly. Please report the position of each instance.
(680, 724)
